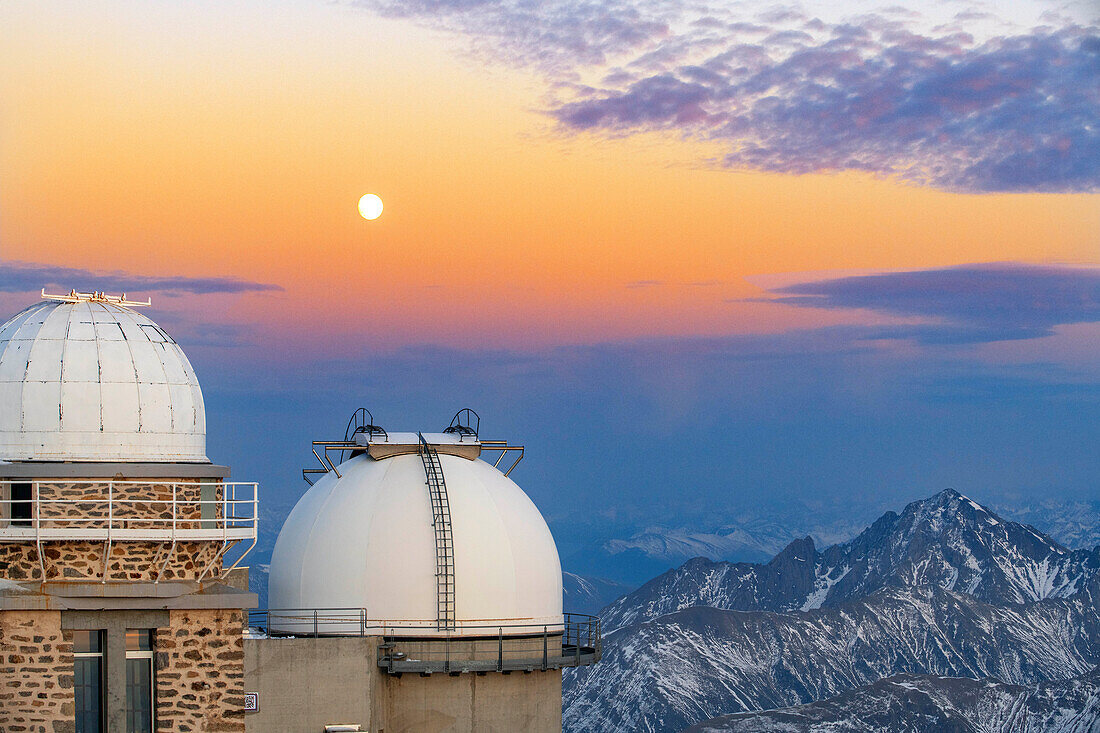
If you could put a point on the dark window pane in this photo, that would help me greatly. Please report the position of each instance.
(88, 688)
(139, 696)
(87, 641)
(139, 640)
(21, 506)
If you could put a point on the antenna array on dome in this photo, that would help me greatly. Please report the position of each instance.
(75, 296)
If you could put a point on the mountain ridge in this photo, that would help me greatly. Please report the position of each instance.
(948, 540)
(944, 588)
(699, 662)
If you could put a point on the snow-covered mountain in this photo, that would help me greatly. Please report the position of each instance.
(584, 594)
(679, 544)
(1075, 524)
(946, 540)
(920, 703)
(944, 588)
(742, 538)
(698, 663)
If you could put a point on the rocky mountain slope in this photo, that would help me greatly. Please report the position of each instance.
(946, 540)
(920, 703)
(946, 588)
(694, 664)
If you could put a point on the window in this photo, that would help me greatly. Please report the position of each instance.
(139, 681)
(21, 505)
(88, 680)
(155, 334)
(208, 504)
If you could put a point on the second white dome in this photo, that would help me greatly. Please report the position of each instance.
(365, 540)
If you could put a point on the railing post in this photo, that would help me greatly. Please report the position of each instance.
(362, 622)
(544, 648)
(225, 512)
(315, 624)
(500, 649)
(36, 491)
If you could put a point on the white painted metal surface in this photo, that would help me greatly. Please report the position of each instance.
(364, 540)
(413, 439)
(93, 380)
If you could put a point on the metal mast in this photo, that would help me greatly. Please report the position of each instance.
(444, 544)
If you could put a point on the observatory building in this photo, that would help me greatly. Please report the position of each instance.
(118, 610)
(414, 587)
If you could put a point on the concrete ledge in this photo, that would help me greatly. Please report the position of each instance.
(122, 596)
(57, 469)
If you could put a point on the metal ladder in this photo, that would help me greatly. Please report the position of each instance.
(444, 543)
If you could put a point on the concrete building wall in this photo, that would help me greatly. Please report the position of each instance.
(492, 702)
(306, 683)
(36, 673)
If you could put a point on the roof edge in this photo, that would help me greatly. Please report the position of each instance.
(66, 469)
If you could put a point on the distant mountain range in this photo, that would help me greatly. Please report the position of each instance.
(588, 595)
(920, 703)
(945, 588)
(1073, 523)
(750, 538)
(947, 540)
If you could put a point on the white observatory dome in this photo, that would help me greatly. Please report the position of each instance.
(364, 540)
(85, 378)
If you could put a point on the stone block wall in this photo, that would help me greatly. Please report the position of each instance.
(200, 672)
(136, 506)
(36, 673)
(129, 561)
(132, 503)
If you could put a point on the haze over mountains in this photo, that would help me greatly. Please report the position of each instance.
(634, 556)
(945, 588)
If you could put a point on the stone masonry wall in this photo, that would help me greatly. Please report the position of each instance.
(131, 501)
(129, 561)
(136, 506)
(200, 672)
(36, 673)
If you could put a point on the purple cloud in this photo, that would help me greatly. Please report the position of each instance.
(791, 93)
(968, 304)
(552, 35)
(22, 277)
(1014, 114)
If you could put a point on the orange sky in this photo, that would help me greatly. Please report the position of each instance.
(213, 139)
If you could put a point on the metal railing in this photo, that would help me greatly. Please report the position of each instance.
(482, 647)
(102, 510)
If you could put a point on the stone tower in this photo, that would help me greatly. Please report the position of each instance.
(118, 608)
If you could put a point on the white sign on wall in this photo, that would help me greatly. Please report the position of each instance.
(252, 702)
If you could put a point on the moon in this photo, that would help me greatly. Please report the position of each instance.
(370, 207)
